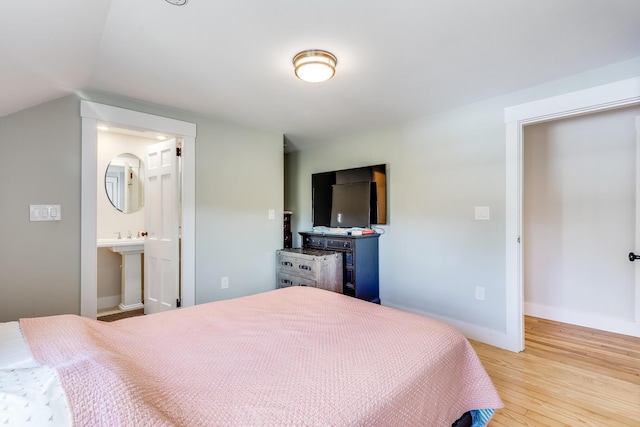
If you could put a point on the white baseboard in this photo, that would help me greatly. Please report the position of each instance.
(588, 320)
(469, 330)
(130, 307)
(499, 338)
(109, 302)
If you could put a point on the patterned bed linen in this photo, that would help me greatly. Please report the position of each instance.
(30, 394)
(293, 356)
(14, 351)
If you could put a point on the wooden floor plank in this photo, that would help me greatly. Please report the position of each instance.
(567, 376)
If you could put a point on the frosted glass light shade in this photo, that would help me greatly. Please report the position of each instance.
(315, 65)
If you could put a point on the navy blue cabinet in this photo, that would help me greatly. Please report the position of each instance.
(360, 261)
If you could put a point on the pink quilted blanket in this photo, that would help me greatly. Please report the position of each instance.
(293, 356)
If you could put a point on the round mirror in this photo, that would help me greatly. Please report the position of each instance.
(124, 183)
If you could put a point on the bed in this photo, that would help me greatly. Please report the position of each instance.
(295, 356)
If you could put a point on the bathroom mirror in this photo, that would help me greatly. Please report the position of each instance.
(124, 183)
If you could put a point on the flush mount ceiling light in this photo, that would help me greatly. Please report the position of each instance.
(315, 65)
(177, 2)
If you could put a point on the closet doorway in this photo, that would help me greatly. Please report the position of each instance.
(599, 98)
(579, 219)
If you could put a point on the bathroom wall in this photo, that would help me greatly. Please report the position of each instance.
(110, 220)
(109, 279)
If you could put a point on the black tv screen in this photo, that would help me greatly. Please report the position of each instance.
(350, 205)
(323, 185)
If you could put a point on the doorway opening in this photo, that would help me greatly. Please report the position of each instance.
(124, 197)
(600, 98)
(579, 216)
(92, 113)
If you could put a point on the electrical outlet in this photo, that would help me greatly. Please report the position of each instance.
(224, 282)
(479, 293)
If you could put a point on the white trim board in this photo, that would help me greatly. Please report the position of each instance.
(91, 113)
(600, 98)
(469, 330)
(574, 317)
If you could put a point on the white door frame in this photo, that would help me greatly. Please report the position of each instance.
(600, 98)
(92, 113)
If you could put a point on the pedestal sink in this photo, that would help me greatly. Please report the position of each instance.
(130, 250)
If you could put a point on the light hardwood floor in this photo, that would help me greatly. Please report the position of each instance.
(567, 376)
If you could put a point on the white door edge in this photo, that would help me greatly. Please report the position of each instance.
(637, 242)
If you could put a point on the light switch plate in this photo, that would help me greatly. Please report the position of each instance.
(482, 213)
(44, 213)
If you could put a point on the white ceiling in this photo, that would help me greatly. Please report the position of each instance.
(231, 59)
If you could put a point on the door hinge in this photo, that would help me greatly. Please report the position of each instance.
(178, 152)
(178, 302)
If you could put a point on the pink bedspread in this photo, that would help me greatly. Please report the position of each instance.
(293, 356)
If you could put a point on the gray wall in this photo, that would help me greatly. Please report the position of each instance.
(238, 180)
(40, 262)
(433, 253)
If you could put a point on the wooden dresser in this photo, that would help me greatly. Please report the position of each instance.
(360, 261)
(309, 267)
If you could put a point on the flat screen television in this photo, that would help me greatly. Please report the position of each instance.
(350, 205)
(350, 188)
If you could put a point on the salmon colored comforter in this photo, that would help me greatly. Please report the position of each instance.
(293, 356)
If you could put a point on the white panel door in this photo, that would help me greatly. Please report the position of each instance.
(161, 245)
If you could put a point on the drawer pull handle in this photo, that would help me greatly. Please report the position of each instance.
(304, 267)
(285, 281)
(287, 263)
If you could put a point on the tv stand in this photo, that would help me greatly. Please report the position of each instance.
(360, 261)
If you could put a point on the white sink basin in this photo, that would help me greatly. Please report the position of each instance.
(122, 245)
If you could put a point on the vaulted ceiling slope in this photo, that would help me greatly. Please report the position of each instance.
(230, 59)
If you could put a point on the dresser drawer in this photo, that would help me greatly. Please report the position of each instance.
(305, 267)
(309, 267)
(314, 242)
(339, 244)
(285, 280)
